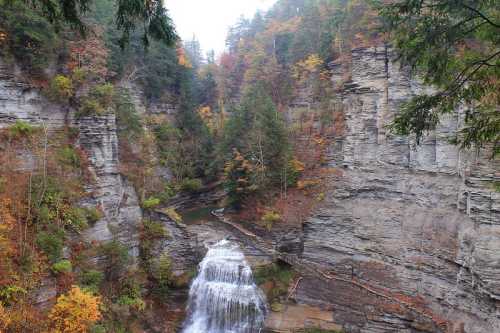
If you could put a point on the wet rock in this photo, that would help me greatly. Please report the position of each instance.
(288, 317)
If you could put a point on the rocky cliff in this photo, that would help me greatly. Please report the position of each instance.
(20, 101)
(97, 136)
(410, 235)
(108, 189)
(412, 232)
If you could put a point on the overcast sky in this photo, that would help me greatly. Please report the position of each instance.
(209, 20)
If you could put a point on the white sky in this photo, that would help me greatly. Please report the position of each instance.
(209, 20)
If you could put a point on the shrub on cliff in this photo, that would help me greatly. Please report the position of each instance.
(98, 101)
(128, 120)
(116, 258)
(69, 156)
(162, 275)
(51, 243)
(191, 184)
(270, 218)
(91, 279)
(150, 203)
(154, 230)
(63, 266)
(275, 279)
(60, 89)
(22, 129)
(92, 214)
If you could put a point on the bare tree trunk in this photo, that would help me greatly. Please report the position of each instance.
(286, 188)
(44, 163)
(261, 153)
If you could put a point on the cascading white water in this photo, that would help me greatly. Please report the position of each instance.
(224, 298)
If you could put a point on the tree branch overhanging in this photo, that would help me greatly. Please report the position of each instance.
(481, 15)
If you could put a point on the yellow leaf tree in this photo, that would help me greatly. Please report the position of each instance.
(4, 318)
(74, 312)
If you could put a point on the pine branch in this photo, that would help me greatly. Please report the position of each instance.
(481, 15)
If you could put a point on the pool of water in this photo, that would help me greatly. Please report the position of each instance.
(199, 215)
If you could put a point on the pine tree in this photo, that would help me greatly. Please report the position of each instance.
(454, 46)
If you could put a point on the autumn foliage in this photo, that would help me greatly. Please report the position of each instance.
(74, 312)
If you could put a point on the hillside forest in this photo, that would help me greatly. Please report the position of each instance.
(254, 122)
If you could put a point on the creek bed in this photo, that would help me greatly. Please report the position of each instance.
(198, 215)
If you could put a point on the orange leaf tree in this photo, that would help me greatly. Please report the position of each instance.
(74, 312)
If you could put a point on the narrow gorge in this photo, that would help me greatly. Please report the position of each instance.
(265, 189)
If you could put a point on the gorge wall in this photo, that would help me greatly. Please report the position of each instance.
(421, 224)
(107, 188)
(417, 226)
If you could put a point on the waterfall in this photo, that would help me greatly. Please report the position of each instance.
(224, 298)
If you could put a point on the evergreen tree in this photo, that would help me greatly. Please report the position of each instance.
(268, 140)
(455, 46)
(151, 16)
(257, 131)
(238, 179)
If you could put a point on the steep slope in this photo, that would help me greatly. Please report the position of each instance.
(419, 223)
(106, 187)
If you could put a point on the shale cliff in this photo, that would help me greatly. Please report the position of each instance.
(106, 187)
(412, 232)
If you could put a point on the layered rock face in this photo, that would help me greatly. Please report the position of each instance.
(108, 189)
(20, 101)
(419, 224)
(97, 136)
(114, 194)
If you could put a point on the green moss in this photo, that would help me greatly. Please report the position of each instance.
(279, 275)
(173, 215)
(269, 218)
(150, 203)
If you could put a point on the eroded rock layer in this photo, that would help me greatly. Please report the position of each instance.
(419, 224)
